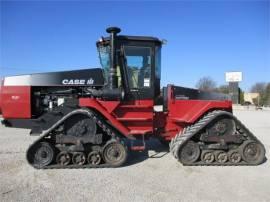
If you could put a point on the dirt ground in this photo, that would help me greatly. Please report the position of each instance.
(149, 176)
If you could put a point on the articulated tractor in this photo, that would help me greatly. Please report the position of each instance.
(93, 118)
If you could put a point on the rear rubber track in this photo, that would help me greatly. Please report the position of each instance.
(187, 133)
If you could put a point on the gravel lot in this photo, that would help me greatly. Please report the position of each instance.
(150, 176)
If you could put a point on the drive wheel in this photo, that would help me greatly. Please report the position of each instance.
(94, 158)
(224, 126)
(221, 157)
(234, 156)
(80, 126)
(78, 158)
(190, 153)
(252, 152)
(43, 154)
(207, 156)
(63, 158)
(115, 153)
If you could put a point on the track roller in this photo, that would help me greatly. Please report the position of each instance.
(78, 158)
(208, 156)
(221, 156)
(63, 158)
(234, 156)
(94, 158)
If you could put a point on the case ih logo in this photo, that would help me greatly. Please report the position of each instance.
(15, 97)
(78, 81)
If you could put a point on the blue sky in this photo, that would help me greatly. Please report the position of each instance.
(204, 38)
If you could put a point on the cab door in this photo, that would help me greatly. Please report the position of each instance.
(136, 112)
(139, 69)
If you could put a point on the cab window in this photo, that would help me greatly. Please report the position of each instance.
(138, 60)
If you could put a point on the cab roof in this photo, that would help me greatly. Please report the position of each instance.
(135, 38)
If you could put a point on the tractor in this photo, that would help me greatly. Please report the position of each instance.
(91, 118)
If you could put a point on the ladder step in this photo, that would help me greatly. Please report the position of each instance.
(137, 148)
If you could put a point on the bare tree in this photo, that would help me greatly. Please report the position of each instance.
(206, 83)
(267, 95)
(264, 93)
(223, 89)
(258, 88)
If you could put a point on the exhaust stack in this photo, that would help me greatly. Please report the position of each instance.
(113, 31)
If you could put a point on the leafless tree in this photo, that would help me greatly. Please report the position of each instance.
(267, 95)
(258, 87)
(264, 93)
(206, 83)
(223, 89)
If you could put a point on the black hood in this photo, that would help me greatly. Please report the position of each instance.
(83, 77)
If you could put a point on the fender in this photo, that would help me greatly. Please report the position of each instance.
(189, 111)
(92, 103)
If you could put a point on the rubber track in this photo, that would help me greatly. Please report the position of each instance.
(47, 133)
(187, 133)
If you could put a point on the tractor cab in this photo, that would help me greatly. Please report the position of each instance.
(131, 63)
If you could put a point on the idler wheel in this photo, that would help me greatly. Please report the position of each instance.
(189, 153)
(78, 158)
(207, 156)
(63, 158)
(43, 154)
(221, 156)
(94, 158)
(234, 156)
(114, 153)
(252, 152)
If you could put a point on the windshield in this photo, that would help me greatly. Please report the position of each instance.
(138, 65)
(104, 58)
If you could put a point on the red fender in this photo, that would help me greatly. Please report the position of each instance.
(93, 103)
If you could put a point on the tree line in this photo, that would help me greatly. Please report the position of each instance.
(262, 88)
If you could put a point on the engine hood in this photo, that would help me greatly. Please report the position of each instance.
(83, 77)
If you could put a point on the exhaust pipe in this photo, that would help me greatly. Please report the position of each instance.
(113, 31)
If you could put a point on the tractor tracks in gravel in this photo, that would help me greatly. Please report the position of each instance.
(11, 152)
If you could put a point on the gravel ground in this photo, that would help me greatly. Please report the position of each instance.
(150, 176)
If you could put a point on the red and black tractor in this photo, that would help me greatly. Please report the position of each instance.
(93, 117)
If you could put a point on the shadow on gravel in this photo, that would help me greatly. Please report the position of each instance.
(159, 150)
(265, 160)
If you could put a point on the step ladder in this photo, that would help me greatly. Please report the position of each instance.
(136, 147)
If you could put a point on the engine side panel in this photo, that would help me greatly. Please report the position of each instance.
(16, 102)
(30, 96)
